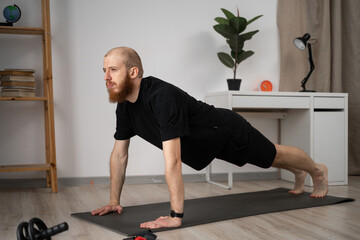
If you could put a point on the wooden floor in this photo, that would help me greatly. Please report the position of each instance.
(338, 222)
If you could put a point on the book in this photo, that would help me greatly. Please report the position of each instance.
(17, 83)
(18, 88)
(17, 78)
(17, 72)
(20, 69)
(17, 93)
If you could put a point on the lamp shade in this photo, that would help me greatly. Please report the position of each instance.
(301, 42)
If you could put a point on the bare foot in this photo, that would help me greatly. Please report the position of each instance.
(299, 186)
(320, 179)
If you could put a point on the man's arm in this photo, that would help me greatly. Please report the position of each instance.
(118, 163)
(173, 175)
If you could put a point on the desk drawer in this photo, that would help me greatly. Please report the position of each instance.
(270, 102)
(329, 103)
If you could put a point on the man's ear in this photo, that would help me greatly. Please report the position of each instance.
(134, 72)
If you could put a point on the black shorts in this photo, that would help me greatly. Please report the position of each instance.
(246, 145)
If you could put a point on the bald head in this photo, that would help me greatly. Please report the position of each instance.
(130, 57)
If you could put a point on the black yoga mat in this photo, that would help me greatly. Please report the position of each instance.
(211, 209)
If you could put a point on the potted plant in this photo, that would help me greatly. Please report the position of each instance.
(232, 28)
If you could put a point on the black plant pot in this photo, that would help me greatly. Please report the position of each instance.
(234, 84)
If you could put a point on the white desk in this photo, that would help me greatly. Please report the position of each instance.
(314, 122)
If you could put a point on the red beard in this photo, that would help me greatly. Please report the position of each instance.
(125, 90)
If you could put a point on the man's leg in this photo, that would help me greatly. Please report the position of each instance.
(299, 186)
(296, 160)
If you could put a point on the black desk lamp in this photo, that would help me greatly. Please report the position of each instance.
(301, 43)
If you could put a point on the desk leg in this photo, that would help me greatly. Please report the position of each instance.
(230, 178)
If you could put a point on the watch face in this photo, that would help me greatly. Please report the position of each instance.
(12, 13)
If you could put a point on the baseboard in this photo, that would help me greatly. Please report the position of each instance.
(67, 182)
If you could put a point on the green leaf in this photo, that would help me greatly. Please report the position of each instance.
(226, 59)
(228, 14)
(225, 30)
(236, 43)
(236, 56)
(244, 55)
(253, 19)
(222, 20)
(238, 23)
(248, 35)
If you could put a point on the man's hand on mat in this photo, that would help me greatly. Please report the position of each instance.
(162, 222)
(107, 209)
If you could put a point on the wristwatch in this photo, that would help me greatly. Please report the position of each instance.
(174, 214)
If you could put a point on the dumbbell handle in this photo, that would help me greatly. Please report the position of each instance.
(53, 231)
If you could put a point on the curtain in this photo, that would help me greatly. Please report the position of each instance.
(335, 24)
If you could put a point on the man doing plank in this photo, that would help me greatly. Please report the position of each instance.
(187, 131)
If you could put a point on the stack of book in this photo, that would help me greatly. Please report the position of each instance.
(17, 83)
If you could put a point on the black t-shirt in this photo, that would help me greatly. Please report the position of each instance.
(163, 112)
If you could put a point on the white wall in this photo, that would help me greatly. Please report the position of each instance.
(177, 43)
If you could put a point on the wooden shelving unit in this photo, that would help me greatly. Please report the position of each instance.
(23, 99)
(21, 30)
(50, 165)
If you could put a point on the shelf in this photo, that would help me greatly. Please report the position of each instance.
(21, 30)
(49, 165)
(27, 167)
(23, 99)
